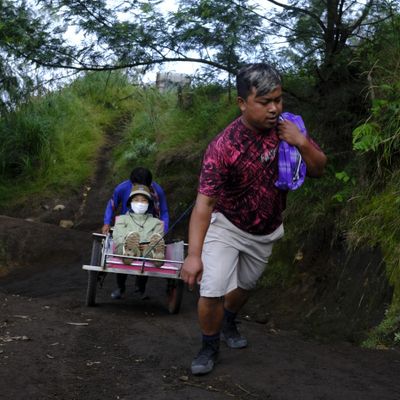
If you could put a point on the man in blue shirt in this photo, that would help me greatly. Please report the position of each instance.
(119, 199)
(123, 190)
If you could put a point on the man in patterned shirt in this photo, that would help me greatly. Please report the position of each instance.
(238, 212)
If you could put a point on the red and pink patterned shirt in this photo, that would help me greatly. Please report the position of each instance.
(240, 167)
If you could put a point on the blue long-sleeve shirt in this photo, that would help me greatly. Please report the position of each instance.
(158, 207)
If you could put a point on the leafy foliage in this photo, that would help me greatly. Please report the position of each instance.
(216, 34)
(227, 34)
(26, 36)
(321, 34)
(387, 333)
(143, 36)
(380, 133)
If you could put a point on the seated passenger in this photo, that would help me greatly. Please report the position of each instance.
(137, 233)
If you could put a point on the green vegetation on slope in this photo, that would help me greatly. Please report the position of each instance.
(169, 133)
(377, 218)
(51, 142)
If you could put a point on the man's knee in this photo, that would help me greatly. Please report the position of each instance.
(210, 302)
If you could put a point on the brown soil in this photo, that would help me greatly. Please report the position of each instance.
(54, 347)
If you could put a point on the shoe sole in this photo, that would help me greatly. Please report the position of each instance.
(117, 296)
(240, 344)
(131, 246)
(159, 250)
(202, 369)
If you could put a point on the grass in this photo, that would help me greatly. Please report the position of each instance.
(51, 142)
(161, 126)
(387, 333)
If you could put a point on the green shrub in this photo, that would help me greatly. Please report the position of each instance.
(387, 332)
(381, 132)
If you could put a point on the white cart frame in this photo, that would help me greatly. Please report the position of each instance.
(104, 260)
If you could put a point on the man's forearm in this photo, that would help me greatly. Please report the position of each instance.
(199, 223)
(109, 213)
(314, 158)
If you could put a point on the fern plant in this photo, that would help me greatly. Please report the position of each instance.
(380, 134)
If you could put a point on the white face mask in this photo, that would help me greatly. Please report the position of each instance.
(139, 208)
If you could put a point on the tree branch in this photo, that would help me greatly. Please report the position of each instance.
(363, 15)
(87, 67)
(301, 10)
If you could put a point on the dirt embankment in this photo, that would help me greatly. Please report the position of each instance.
(338, 294)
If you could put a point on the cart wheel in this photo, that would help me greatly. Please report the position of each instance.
(174, 295)
(91, 288)
(95, 259)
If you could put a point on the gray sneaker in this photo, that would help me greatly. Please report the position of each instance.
(117, 294)
(231, 336)
(206, 358)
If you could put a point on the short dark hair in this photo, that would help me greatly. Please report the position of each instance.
(141, 175)
(263, 77)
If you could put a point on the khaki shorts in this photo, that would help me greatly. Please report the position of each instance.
(233, 258)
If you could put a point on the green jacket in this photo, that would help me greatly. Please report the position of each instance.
(145, 224)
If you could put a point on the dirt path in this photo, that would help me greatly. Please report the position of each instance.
(53, 347)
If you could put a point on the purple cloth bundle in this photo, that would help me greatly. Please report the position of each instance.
(291, 167)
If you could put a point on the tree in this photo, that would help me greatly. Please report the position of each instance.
(25, 36)
(322, 34)
(228, 36)
(218, 34)
(138, 34)
(124, 35)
